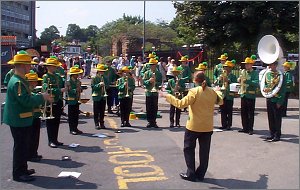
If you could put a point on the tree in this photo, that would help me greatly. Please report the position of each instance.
(48, 35)
(75, 32)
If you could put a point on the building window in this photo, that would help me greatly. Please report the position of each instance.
(26, 7)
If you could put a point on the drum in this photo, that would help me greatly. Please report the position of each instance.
(234, 87)
(189, 85)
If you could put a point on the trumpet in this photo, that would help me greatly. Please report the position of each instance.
(154, 83)
(243, 76)
(127, 92)
(44, 111)
(103, 87)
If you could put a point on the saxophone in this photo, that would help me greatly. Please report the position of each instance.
(243, 76)
(176, 92)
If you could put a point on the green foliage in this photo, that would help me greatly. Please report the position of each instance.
(48, 35)
(108, 58)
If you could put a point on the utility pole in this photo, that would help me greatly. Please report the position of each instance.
(144, 29)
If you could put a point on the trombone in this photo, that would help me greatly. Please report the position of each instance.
(44, 111)
(127, 92)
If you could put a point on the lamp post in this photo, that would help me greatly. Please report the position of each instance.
(144, 29)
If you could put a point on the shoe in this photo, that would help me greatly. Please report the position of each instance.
(122, 125)
(275, 139)
(103, 126)
(128, 124)
(185, 177)
(97, 127)
(228, 128)
(35, 159)
(30, 172)
(269, 138)
(59, 143)
(23, 178)
(148, 125)
(52, 145)
(155, 126)
(242, 131)
(73, 132)
(222, 128)
(178, 125)
(79, 132)
(250, 133)
(171, 126)
(39, 156)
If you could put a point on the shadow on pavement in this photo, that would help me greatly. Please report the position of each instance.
(284, 137)
(80, 148)
(261, 183)
(62, 183)
(291, 117)
(62, 164)
(96, 132)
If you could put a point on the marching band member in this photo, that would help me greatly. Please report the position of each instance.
(202, 67)
(226, 109)
(200, 101)
(53, 82)
(18, 114)
(126, 86)
(112, 91)
(186, 72)
(289, 85)
(73, 86)
(218, 69)
(8, 75)
(249, 83)
(176, 87)
(152, 81)
(33, 156)
(99, 84)
(274, 103)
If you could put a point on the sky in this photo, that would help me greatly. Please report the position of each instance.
(85, 13)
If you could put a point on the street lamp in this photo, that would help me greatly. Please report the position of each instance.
(143, 50)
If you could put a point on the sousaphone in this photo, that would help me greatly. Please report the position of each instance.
(269, 51)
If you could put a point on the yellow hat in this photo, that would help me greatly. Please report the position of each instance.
(32, 76)
(101, 67)
(152, 61)
(126, 69)
(250, 60)
(290, 65)
(177, 69)
(229, 63)
(52, 61)
(201, 67)
(22, 57)
(75, 70)
(223, 57)
(183, 59)
(152, 55)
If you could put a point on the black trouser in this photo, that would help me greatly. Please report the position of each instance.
(125, 109)
(204, 139)
(21, 136)
(34, 138)
(226, 113)
(53, 124)
(247, 113)
(274, 118)
(112, 97)
(73, 117)
(284, 106)
(99, 109)
(152, 108)
(172, 112)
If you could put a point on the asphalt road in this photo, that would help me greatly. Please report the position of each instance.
(140, 158)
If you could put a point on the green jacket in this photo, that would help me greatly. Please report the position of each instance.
(73, 91)
(8, 75)
(123, 90)
(56, 83)
(207, 81)
(97, 90)
(289, 81)
(252, 83)
(186, 74)
(19, 103)
(218, 70)
(280, 95)
(227, 94)
(172, 84)
(110, 76)
(148, 85)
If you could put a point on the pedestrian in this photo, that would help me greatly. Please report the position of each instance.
(73, 86)
(18, 114)
(176, 87)
(249, 83)
(170, 69)
(53, 82)
(34, 140)
(126, 86)
(200, 100)
(152, 82)
(99, 84)
(275, 101)
(88, 66)
(138, 70)
(288, 66)
(162, 68)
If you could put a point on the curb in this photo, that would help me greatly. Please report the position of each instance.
(143, 101)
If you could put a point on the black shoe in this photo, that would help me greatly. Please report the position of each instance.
(155, 126)
(269, 138)
(228, 128)
(30, 172)
(185, 177)
(79, 132)
(39, 156)
(123, 125)
(52, 145)
(103, 126)
(97, 127)
(178, 125)
(242, 131)
(59, 143)
(275, 139)
(73, 132)
(250, 133)
(23, 178)
(128, 124)
(149, 125)
(222, 128)
(35, 159)
(171, 126)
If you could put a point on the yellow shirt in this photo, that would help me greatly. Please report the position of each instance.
(201, 107)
